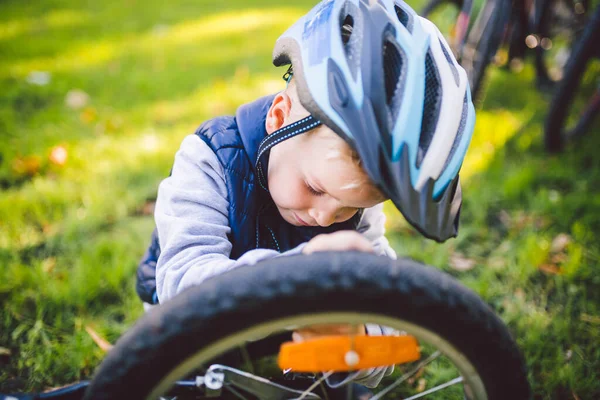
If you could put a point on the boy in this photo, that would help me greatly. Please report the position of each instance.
(377, 109)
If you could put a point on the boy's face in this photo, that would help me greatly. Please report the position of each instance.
(311, 186)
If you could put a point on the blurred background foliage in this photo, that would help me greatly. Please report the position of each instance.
(95, 98)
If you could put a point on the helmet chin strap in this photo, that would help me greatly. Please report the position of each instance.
(289, 131)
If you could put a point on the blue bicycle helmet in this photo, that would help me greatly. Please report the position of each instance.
(386, 81)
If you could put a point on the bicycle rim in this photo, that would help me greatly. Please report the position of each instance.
(195, 329)
(474, 387)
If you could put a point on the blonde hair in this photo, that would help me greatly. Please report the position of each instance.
(338, 148)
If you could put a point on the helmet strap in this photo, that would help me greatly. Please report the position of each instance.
(288, 131)
(287, 77)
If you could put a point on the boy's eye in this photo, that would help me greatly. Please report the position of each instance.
(313, 191)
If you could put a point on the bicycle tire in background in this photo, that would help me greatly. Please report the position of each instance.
(483, 38)
(319, 284)
(555, 21)
(483, 41)
(586, 48)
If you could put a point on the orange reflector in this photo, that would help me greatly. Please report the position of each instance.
(338, 353)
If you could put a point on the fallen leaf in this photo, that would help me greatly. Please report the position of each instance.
(522, 221)
(101, 342)
(88, 115)
(560, 243)
(519, 294)
(558, 258)
(550, 269)
(416, 376)
(28, 165)
(76, 99)
(48, 264)
(505, 218)
(459, 262)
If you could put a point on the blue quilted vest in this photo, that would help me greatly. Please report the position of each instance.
(253, 217)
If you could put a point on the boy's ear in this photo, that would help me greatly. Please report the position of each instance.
(278, 112)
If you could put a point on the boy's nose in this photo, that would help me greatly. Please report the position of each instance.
(323, 217)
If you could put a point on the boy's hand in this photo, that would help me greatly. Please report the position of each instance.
(338, 241)
(315, 331)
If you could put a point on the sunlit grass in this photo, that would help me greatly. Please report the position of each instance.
(161, 37)
(71, 234)
(52, 20)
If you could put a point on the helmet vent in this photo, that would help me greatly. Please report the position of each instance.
(431, 107)
(403, 17)
(461, 129)
(393, 63)
(350, 34)
(450, 63)
(346, 30)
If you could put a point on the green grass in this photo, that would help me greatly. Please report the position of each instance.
(71, 235)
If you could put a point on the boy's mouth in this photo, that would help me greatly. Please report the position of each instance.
(300, 220)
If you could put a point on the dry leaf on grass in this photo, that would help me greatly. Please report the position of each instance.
(88, 115)
(49, 264)
(27, 165)
(416, 376)
(550, 269)
(461, 263)
(100, 341)
(76, 99)
(505, 218)
(560, 243)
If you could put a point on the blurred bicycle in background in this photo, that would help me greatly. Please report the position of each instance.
(561, 36)
(474, 29)
(576, 101)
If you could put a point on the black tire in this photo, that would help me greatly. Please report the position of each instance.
(586, 48)
(318, 284)
(484, 40)
(517, 28)
(558, 21)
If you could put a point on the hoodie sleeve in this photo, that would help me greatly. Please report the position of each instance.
(192, 220)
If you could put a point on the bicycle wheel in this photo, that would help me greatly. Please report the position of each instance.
(484, 40)
(557, 25)
(577, 98)
(476, 33)
(459, 335)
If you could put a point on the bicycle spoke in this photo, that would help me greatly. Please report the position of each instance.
(314, 385)
(407, 375)
(246, 357)
(437, 388)
(235, 392)
(324, 390)
(349, 391)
